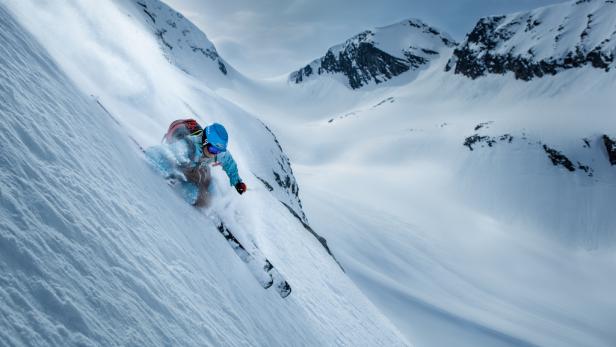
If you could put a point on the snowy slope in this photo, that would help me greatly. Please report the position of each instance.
(496, 246)
(183, 43)
(542, 42)
(508, 244)
(378, 55)
(188, 48)
(95, 249)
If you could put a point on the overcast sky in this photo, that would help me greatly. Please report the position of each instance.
(264, 38)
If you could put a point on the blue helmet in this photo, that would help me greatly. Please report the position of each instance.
(217, 136)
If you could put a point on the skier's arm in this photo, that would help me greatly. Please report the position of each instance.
(228, 164)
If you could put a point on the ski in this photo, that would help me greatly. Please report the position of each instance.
(261, 268)
(264, 278)
(282, 286)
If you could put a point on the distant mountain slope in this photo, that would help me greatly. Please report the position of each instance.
(375, 56)
(182, 42)
(541, 42)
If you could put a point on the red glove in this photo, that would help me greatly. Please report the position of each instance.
(241, 187)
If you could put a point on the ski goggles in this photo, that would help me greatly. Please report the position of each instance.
(212, 149)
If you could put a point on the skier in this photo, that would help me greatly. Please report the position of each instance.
(186, 154)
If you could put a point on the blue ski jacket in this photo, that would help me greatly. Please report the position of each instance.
(188, 154)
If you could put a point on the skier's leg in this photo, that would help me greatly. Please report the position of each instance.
(203, 199)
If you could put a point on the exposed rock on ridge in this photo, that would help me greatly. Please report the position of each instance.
(542, 42)
(375, 56)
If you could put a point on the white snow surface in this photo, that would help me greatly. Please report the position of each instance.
(95, 248)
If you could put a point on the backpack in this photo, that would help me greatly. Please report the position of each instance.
(181, 128)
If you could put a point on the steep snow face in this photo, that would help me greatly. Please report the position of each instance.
(375, 56)
(542, 42)
(95, 249)
(182, 42)
(188, 48)
(117, 57)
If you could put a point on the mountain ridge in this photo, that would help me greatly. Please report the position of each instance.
(378, 55)
(541, 42)
(183, 43)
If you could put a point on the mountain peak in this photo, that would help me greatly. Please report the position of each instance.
(379, 54)
(183, 44)
(541, 42)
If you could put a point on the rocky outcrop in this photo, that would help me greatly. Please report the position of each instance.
(361, 63)
(477, 140)
(558, 159)
(530, 45)
(610, 147)
(365, 58)
(183, 43)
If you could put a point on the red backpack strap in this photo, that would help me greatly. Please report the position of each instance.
(193, 126)
(181, 128)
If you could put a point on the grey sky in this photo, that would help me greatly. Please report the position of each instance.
(264, 38)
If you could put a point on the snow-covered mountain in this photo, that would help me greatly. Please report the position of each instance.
(182, 42)
(378, 55)
(542, 42)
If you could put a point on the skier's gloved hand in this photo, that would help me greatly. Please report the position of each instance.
(241, 187)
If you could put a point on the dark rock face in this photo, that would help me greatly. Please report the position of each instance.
(471, 65)
(284, 178)
(477, 140)
(481, 125)
(482, 52)
(222, 67)
(610, 147)
(174, 35)
(558, 159)
(265, 183)
(361, 60)
(212, 55)
(161, 37)
(586, 169)
(360, 63)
